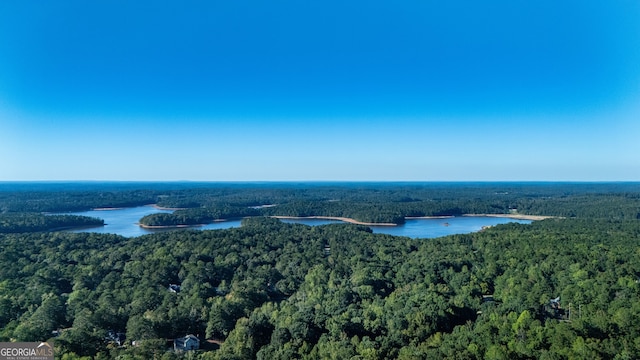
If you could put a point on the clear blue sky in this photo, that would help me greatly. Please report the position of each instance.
(320, 90)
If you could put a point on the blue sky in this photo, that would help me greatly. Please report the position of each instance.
(320, 90)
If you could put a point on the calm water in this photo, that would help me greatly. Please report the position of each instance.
(120, 221)
(124, 222)
(431, 228)
(427, 228)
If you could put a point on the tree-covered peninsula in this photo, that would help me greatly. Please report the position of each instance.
(197, 216)
(30, 222)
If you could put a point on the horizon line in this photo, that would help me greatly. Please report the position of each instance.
(319, 181)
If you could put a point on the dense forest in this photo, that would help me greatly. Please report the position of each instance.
(555, 289)
(28, 222)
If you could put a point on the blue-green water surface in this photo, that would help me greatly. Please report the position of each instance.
(125, 222)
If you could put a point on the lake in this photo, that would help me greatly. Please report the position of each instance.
(124, 222)
(120, 221)
(427, 228)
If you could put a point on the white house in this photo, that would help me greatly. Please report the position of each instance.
(189, 342)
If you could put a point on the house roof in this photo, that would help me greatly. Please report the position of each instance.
(180, 342)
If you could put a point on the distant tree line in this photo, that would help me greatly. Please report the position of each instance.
(62, 201)
(389, 199)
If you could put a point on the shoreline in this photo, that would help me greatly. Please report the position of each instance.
(514, 216)
(183, 226)
(157, 227)
(356, 222)
(156, 206)
(428, 217)
(344, 219)
(73, 228)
